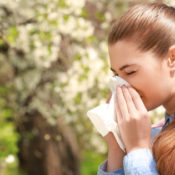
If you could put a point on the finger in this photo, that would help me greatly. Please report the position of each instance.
(118, 112)
(130, 104)
(137, 99)
(122, 104)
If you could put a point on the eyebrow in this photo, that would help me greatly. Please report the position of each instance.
(123, 67)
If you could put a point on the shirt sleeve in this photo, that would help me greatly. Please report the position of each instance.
(103, 167)
(140, 162)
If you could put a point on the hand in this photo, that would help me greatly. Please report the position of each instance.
(133, 119)
(115, 153)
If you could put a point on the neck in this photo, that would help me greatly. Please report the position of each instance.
(170, 106)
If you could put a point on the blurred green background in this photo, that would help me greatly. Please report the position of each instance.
(54, 67)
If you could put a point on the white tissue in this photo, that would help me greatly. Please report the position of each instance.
(103, 116)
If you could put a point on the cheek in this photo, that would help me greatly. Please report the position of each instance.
(151, 87)
(154, 95)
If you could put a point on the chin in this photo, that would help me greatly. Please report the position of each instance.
(147, 105)
(151, 107)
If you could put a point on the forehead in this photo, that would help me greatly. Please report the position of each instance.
(126, 52)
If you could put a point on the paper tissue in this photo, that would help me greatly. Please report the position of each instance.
(103, 116)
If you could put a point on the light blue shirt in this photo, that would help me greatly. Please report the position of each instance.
(137, 162)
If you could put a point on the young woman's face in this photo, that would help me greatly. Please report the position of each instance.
(147, 74)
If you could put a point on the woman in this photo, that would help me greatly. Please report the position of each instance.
(142, 51)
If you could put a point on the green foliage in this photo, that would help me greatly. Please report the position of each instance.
(12, 34)
(100, 16)
(90, 163)
(62, 3)
(78, 98)
(8, 136)
(12, 169)
(84, 13)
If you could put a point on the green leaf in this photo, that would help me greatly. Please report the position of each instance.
(12, 35)
(61, 3)
(77, 58)
(78, 98)
(84, 13)
(66, 17)
(91, 39)
(100, 16)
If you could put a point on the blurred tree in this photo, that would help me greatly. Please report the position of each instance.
(45, 147)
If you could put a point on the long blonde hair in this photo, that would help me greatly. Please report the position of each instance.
(152, 27)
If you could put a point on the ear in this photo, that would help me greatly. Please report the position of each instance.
(171, 58)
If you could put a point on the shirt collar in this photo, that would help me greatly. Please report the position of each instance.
(168, 117)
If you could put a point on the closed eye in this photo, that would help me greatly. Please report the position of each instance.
(130, 73)
(126, 73)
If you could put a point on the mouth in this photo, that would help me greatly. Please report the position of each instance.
(141, 96)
